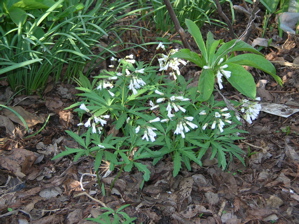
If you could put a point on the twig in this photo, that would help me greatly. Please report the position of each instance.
(251, 19)
(229, 24)
(177, 25)
(96, 200)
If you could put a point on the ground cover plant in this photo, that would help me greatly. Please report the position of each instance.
(154, 115)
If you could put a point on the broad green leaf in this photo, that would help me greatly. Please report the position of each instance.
(206, 84)
(177, 163)
(17, 15)
(34, 4)
(196, 34)
(190, 56)
(256, 61)
(67, 152)
(242, 80)
(234, 45)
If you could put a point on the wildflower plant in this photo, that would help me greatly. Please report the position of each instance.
(219, 63)
(138, 112)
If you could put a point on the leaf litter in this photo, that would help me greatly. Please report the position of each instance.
(35, 189)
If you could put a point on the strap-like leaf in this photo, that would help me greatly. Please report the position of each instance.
(196, 34)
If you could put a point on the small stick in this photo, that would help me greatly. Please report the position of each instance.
(229, 24)
(177, 25)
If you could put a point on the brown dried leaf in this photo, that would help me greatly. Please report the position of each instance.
(18, 161)
(30, 118)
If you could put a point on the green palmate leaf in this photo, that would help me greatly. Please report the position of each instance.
(177, 163)
(206, 84)
(190, 56)
(256, 61)
(77, 138)
(121, 120)
(143, 168)
(68, 152)
(196, 34)
(242, 80)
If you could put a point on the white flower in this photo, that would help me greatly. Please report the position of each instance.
(113, 59)
(219, 79)
(149, 134)
(191, 125)
(136, 83)
(217, 115)
(180, 129)
(80, 124)
(225, 73)
(111, 93)
(220, 61)
(94, 130)
(203, 112)
(164, 120)
(101, 146)
(155, 120)
(205, 126)
(206, 67)
(153, 106)
(181, 108)
(213, 125)
(220, 73)
(130, 59)
(87, 123)
(137, 129)
(160, 45)
(173, 74)
(186, 127)
(181, 98)
(160, 100)
(105, 85)
(139, 70)
(251, 109)
(83, 107)
(189, 118)
(159, 92)
(221, 125)
(101, 119)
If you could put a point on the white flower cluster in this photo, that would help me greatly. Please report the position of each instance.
(220, 119)
(220, 73)
(135, 82)
(251, 109)
(166, 62)
(96, 120)
(183, 126)
(171, 104)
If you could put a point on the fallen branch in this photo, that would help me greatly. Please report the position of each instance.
(177, 25)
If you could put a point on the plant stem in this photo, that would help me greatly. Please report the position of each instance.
(177, 25)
